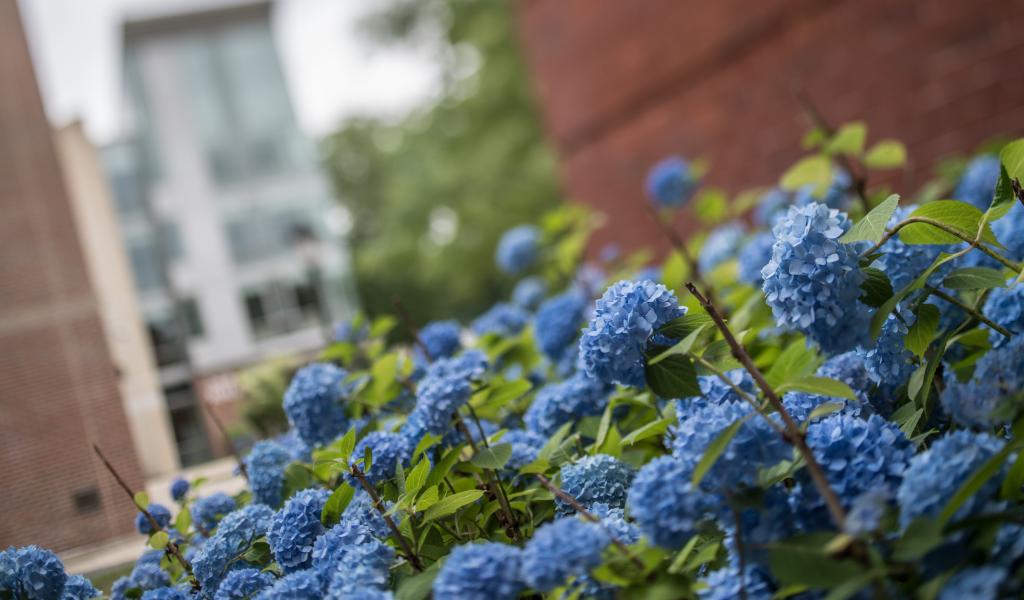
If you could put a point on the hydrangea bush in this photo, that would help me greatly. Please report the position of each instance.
(820, 400)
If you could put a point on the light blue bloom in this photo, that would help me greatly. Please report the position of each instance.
(313, 403)
(595, 479)
(442, 391)
(977, 184)
(165, 593)
(160, 514)
(525, 446)
(772, 205)
(32, 573)
(388, 449)
(332, 545)
(990, 397)
(558, 323)
(726, 584)
(363, 566)
(627, 316)
(243, 584)
(295, 528)
(753, 256)
(179, 487)
(664, 503)
(812, 282)
(671, 182)
(721, 245)
(223, 552)
(441, 339)
(207, 511)
(298, 585)
(978, 583)
(903, 263)
(518, 249)
(490, 571)
(265, 465)
(566, 547)
(78, 587)
(559, 403)
(889, 361)
(529, 293)
(867, 511)
(614, 521)
(1005, 306)
(502, 319)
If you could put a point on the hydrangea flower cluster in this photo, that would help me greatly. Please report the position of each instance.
(569, 400)
(490, 571)
(233, 537)
(902, 263)
(977, 183)
(721, 245)
(243, 584)
(160, 514)
(313, 403)
(665, 505)
(627, 315)
(988, 398)
(441, 392)
(558, 321)
(529, 293)
(361, 567)
(812, 282)
(753, 256)
(525, 446)
(387, 451)
(1005, 306)
(502, 319)
(889, 360)
(563, 548)
(297, 585)
(294, 529)
(518, 249)
(208, 511)
(265, 465)
(441, 338)
(179, 488)
(595, 479)
(31, 573)
(671, 182)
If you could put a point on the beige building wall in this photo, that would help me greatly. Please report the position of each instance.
(96, 221)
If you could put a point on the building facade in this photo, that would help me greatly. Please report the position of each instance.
(58, 381)
(236, 245)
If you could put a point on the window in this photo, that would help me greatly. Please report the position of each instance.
(189, 433)
(262, 235)
(147, 264)
(163, 331)
(278, 308)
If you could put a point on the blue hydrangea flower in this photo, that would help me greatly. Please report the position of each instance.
(148, 576)
(725, 584)
(120, 587)
(347, 332)
(295, 527)
(490, 571)
(592, 479)
(179, 487)
(857, 455)
(298, 449)
(1005, 306)
(715, 391)
(360, 567)
(298, 585)
(243, 584)
(903, 263)
(1009, 230)
(441, 392)
(614, 521)
(558, 323)
(664, 503)
(223, 551)
(850, 368)
(755, 444)
(989, 398)
(207, 512)
(720, 245)
(977, 183)
(627, 315)
(387, 450)
(889, 360)
(332, 545)
(32, 573)
(753, 256)
(165, 593)
(525, 446)
(360, 511)
(978, 583)
(763, 523)
(559, 403)
(1009, 546)
(441, 338)
(78, 587)
(518, 249)
(563, 548)
(671, 182)
(935, 474)
(265, 465)
(867, 511)
(313, 403)
(812, 282)
(529, 293)
(771, 206)
(502, 319)
(160, 514)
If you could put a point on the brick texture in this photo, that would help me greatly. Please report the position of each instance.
(58, 390)
(623, 84)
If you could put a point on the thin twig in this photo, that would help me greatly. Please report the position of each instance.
(740, 392)
(407, 550)
(411, 326)
(977, 314)
(492, 484)
(227, 439)
(586, 514)
(741, 551)
(794, 435)
(171, 548)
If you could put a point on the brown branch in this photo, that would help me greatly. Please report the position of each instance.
(172, 548)
(227, 439)
(407, 550)
(794, 435)
(679, 245)
(970, 310)
(586, 514)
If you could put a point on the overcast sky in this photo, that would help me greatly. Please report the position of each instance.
(333, 72)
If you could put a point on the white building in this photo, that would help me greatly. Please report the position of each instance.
(230, 227)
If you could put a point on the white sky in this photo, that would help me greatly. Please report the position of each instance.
(333, 71)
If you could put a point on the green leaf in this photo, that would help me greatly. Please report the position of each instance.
(674, 271)
(449, 504)
(509, 391)
(1004, 197)
(886, 309)
(711, 206)
(1012, 159)
(921, 537)
(848, 140)
(876, 286)
(825, 409)
(347, 444)
(814, 171)
(258, 553)
(654, 428)
(418, 586)
(158, 540)
(336, 504)
(673, 377)
(822, 386)
(886, 154)
(1011, 488)
(184, 520)
(922, 332)
(975, 278)
(417, 477)
(685, 325)
(808, 565)
(494, 457)
(141, 500)
(683, 347)
(426, 442)
(797, 360)
(444, 466)
(955, 214)
(872, 227)
(715, 450)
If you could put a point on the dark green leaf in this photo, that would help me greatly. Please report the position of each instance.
(673, 377)
(921, 537)
(685, 325)
(336, 504)
(809, 566)
(886, 309)
(872, 227)
(417, 587)
(444, 466)
(715, 450)
(1012, 159)
(975, 278)
(1004, 197)
(876, 286)
(449, 504)
(654, 428)
(822, 386)
(494, 457)
(922, 332)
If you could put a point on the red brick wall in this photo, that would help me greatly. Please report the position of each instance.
(622, 84)
(58, 390)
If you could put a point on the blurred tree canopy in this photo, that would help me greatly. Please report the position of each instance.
(430, 195)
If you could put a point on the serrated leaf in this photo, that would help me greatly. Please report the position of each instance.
(1012, 159)
(848, 140)
(336, 504)
(346, 445)
(685, 325)
(449, 504)
(815, 171)
(822, 386)
(494, 457)
(975, 278)
(886, 154)
(715, 450)
(654, 428)
(872, 227)
(417, 477)
(954, 214)
(683, 347)
(673, 377)
(876, 287)
(141, 500)
(922, 332)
